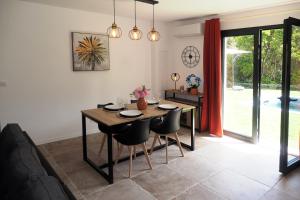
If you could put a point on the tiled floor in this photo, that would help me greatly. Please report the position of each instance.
(220, 168)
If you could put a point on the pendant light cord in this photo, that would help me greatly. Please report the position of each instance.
(114, 11)
(135, 13)
(153, 16)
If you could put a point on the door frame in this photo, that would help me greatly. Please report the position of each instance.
(256, 32)
(284, 165)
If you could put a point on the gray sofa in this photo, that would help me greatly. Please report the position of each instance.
(24, 172)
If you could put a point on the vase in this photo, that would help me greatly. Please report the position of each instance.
(141, 104)
(194, 91)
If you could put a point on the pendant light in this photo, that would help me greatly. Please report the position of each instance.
(114, 31)
(135, 33)
(153, 35)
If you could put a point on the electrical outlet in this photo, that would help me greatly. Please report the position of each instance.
(3, 83)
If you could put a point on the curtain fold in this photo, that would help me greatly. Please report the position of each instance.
(212, 100)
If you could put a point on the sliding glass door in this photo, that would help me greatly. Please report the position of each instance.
(290, 118)
(240, 80)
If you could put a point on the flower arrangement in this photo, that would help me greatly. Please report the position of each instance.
(141, 92)
(193, 81)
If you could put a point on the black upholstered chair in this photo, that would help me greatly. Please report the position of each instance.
(108, 130)
(169, 125)
(136, 134)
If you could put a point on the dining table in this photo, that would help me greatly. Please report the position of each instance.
(112, 118)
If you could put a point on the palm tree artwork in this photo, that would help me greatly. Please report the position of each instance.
(90, 53)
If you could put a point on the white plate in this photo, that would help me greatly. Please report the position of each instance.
(131, 113)
(167, 106)
(114, 107)
(152, 101)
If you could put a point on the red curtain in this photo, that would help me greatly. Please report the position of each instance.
(212, 100)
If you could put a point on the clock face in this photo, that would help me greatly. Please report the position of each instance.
(190, 56)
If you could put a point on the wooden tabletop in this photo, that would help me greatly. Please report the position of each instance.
(111, 118)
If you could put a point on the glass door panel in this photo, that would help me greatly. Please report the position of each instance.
(294, 103)
(270, 87)
(238, 84)
(290, 127)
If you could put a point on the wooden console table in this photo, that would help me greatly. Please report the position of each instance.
(189, 99)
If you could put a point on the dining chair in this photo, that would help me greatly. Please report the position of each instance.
(136, 134)
(108, 130)
(169, 125)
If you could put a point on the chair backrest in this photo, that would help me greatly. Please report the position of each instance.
(171, 122)
(102, 105)
(138, 132)
(133, 101)
(103, 127)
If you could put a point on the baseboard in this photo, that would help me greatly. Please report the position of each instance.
(63, 137)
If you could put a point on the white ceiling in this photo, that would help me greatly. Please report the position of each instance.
(166, 10)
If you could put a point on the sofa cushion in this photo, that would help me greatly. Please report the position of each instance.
(10, 136)
(40, 188)
(23, 164)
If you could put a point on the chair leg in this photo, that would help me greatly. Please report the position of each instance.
(102, 143)
(167, 149)
(120, 150)
(146, 155)
(134, 149)
(130, 162)
(179, 144)
(153, 143)
(159, 141)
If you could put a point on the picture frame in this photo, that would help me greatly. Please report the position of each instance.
(90, 51)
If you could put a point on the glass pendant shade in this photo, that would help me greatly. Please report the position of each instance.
(153, 35)
(114, 31)
(135, 33)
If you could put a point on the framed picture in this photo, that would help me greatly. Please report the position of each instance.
(90, 51)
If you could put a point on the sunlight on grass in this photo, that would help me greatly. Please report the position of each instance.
(238, 116)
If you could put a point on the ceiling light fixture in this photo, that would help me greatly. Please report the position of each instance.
(114, 31)
(135, 33)
(153, 35)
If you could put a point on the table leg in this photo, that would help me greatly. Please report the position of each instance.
(193, 129)
(110, 158)
(84, 144)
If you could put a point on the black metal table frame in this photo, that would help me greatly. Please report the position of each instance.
(110, 176)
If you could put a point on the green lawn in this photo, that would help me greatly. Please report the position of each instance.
(238, 116)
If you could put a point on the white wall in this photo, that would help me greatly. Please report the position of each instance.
(42, 93)
(178, 44)
(261, 17)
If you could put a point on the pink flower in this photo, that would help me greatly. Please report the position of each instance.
(141, 92)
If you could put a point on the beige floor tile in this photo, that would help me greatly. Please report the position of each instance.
(194, 166)
(290, 184)
(123, 190)
(274, 194)
(163, 182)
(199, 192)
(248, 171)
(56, 148)
(235, 186)
(87, 180)
(263, 169)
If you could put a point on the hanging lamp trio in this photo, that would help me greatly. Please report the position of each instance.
(135, 34)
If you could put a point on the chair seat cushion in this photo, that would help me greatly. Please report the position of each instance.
(23, 164)
(40, 188)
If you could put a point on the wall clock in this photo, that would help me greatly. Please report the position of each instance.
(190, 56)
